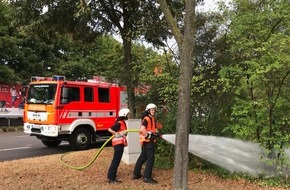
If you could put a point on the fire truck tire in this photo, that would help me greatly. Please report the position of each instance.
(80, 139)
(52, 143)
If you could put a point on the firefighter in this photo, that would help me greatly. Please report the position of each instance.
(118, 142)
(148, 134)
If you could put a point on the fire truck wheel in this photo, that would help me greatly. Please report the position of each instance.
(52, 143)
(80, 139)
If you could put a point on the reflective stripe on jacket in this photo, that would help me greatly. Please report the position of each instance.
(120, 140)
(151, 127)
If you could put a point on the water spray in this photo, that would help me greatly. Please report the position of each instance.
(233, 155)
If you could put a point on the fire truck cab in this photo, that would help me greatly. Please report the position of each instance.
(79, 112)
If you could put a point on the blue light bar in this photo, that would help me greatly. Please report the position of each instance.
(58, 78)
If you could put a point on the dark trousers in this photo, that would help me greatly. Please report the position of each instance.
(147, 155)
(118, 152)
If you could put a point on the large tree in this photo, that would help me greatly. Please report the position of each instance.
(185, 41)
(82, 20)
(259, 41)
(8, 45)
(50, 35)
(130, 20)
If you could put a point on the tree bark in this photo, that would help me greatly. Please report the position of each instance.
(185, 44)
(128, 74)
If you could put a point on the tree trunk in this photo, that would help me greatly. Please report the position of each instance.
(183, 111)
(128, 74)
(186, 47)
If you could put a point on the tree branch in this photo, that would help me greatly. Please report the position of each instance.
(171, 22)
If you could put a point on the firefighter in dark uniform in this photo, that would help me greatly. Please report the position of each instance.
(148, 134)
(118, 142)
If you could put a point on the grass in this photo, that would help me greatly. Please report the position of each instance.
(11, 128)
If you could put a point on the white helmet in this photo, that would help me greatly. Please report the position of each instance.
(124, 112)
(150, 106)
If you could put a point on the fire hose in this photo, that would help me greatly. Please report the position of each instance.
(96, 155)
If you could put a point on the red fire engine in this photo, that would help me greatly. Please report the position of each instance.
(79, 112)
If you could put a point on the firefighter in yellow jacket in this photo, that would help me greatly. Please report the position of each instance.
(148, 134)
(118, 142)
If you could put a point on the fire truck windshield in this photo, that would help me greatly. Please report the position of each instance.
(41, 94)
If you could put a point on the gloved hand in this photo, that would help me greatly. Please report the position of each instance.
(149, 135)
(123, 133)
(118, 135)
(158, 134)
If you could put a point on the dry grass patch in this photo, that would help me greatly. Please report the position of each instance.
(47, 172)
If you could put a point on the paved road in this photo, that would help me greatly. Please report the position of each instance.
(17, 145)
